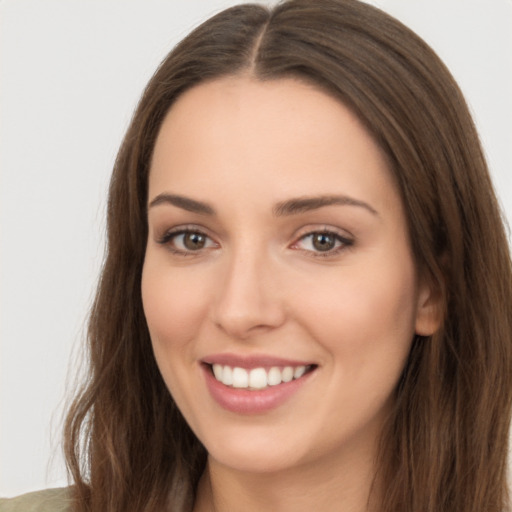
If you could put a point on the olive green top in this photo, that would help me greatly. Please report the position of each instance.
(50, 500)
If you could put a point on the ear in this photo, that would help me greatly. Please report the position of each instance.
(429, 312)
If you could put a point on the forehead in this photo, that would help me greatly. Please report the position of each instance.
(246, 103)
(239, 132)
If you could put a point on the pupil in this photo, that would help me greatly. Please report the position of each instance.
(194, 241)
(323, 242)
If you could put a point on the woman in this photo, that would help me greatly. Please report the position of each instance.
(306, 296)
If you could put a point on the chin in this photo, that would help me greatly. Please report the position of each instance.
(257, 452)
(255, 461)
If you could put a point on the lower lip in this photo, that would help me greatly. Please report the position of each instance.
(243, 401)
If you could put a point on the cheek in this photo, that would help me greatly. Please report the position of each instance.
(173, 304)
(365, 323)
(363, 315)
(175, 307)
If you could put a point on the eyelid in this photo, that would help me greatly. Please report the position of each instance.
(169, 234)
(176, 230)
(346, 240)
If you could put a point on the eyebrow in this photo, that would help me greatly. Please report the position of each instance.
(305, 204)
(293, 206)
(185, 203)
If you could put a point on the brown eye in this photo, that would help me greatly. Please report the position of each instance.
(194, 241)
(323, 241)
(187, 241)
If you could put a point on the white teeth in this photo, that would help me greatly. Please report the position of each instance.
(217, 371)
(227, 376)
(257, 378)
(240, 378)
(299, 372)
(287, 374)
(274, 376)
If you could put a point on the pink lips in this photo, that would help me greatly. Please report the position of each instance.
(250, 362)
(244, 401)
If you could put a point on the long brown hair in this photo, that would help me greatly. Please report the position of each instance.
(445, 445)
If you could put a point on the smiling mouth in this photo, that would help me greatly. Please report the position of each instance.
(256, 379)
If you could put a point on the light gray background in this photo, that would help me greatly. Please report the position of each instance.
(71, 73)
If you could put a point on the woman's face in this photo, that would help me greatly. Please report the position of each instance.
(277, 250)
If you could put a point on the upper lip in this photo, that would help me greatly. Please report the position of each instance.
(252, 361)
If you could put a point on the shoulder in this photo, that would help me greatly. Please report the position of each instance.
(49, 500)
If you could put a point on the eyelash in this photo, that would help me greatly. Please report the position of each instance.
(169, 236)
(344, 242)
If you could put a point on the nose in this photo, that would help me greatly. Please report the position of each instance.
(249, 298)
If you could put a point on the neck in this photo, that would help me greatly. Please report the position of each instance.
(327, 486)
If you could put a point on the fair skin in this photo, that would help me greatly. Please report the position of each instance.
(277, 238)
